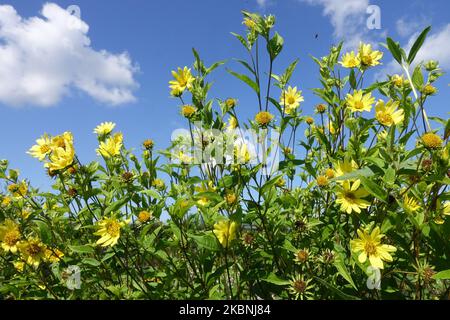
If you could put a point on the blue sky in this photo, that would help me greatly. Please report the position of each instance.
(132, 90)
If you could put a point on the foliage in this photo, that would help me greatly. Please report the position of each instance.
(359, 189)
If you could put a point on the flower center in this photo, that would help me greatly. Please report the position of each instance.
(291, 100)
(367, 60)
(370, 248)
(349, 196)
(385, 118)
(34, 249)
(45, 148)
(113, 228)
(359, 105)
(11, 238)
(299, 286)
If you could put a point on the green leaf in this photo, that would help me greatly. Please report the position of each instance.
(338, 292)
(245, 79)
(417, 77)
(151, 193)
(91, 261)
(275, 45)
(389, 176)
(82, 249)
(207, 241)
(373, 188)
(44, 231)
(442, 275)
(272, 278)
(418, 44)
(394, 48)
(343, 271)
(116, 205)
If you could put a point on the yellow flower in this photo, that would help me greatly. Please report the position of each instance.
(18, 190)
(184, 158)
(158, 183)
(42, 148)
(329, 173)
(188, 111)
(410, 204)
(397, 80)
(144, 216)
(225, 232)
(111, 147)
(309, 120)
(369, 57)
(301, 256)
(104, 128)
(331, 128)
(387, 114)
(344, 167)
(62, 153)
(443, 210)
(350, 60)
(349, 197)
(9, 236)
(249, 23)
(230, 198)
(183, 80)
(232, 123)
(32, 251)
(291, 99)
(431, 140)
(322, 181)
(19, 265)
(230, 102)
(148, 144)
(53, 255)
(242, 154)
(369, 246)
(62, 140)
(321, 108)
(263, 118)
(203, 202)
(359, 102)
(429, 90)
(6, 201)
(109, 231)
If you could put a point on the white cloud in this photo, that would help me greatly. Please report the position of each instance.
(262, 3)
(43, 58)
(348, 18)
(406, 26)
(435, 47)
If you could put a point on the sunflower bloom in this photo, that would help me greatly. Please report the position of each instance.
(387, 114)
(18, 190)
(359, 102)
(431, 140)
(111, 147)
(369, 246)
(350, 197)
(9, 236)
(62, 153)
(33, 251)
(42, 148)
(345, 167)
(350, 60)
(263, 118)
(104, 128)
(300, 287)
(109, 231)
(369, 57)
(291, 99)
(183, 80)
(410, 204)
(225, 232)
